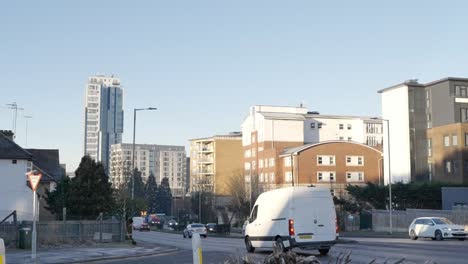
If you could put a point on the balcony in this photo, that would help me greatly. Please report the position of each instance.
(205, 171)
(206, 149)
(206, 160)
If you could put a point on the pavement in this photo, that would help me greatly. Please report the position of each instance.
(82, 254)
(101, 252)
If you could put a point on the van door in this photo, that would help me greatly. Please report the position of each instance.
(314, 219)
(325, 219)
(302, 213)
(252, 229)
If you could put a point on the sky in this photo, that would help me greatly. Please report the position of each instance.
(204, 63)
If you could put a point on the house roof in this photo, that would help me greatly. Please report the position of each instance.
(296, 150)
(47, 162)
(414, 83)
(10, 150)
(282, 116)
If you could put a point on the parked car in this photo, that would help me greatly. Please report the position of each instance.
(302, 217)
(195, 228)
(437, 228)
(211, 227)
(172, 223)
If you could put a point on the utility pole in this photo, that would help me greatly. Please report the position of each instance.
(15, 108)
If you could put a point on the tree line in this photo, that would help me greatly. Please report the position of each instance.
(90, 193)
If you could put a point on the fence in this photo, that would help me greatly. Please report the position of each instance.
(53, 232)
(402, 219)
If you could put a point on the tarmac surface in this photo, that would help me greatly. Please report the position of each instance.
(114, 251)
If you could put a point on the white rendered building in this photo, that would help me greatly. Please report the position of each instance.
(268, 130)
(103, 124)
(161, 160)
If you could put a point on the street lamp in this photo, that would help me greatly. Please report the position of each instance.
(133, 146)
(389, 172)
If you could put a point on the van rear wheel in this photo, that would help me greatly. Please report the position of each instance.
(324, 251)
(279, 245)
(248, 245)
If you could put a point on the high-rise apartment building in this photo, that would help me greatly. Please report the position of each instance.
(428, 130)
(160, 160)
(103, 124)
(213, 161)
(269, 130)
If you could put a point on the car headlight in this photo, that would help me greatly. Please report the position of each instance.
(446, 228)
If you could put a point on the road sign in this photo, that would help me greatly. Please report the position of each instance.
(34, 179)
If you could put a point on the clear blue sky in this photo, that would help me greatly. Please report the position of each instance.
(203, 63)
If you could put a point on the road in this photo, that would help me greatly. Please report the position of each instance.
(217, 249)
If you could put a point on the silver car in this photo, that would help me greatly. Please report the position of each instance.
(195, 228)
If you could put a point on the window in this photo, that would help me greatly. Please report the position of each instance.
(466, 139)
(446, 141)
(430, 167)
(461, 91)
(350, 138)
(429, 147)
(354, 176)
(288, 176)
(261, 178)
(428, 98)
(354, 160)
(429, 120)
(14, 161)
(454, 140)
(326, 176)
(448, 167)
(456, 165)
(253, 217)
(341, 138)
(464, 115)
(247, 166)
(272, 162)
(287, 162)
(349, 126)
(327, 160)
(319, 125)
(312, 125)
(341, 126)
(272, 177)
(260, 163)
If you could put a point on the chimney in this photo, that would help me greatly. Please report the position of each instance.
(8, 134)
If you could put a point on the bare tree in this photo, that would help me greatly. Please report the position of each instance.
(240, 194)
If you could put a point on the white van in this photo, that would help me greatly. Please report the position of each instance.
(290, 217)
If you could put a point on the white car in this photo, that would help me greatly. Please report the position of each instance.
(437, 228)
(195, 228)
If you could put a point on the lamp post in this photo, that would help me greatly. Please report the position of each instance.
(133, 146)
(389, 174)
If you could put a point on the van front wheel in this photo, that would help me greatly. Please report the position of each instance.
(248, 245)
(324, 251)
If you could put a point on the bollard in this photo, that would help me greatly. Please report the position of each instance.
(2, 252)
(196, 249)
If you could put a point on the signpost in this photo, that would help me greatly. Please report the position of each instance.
(34, 178)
